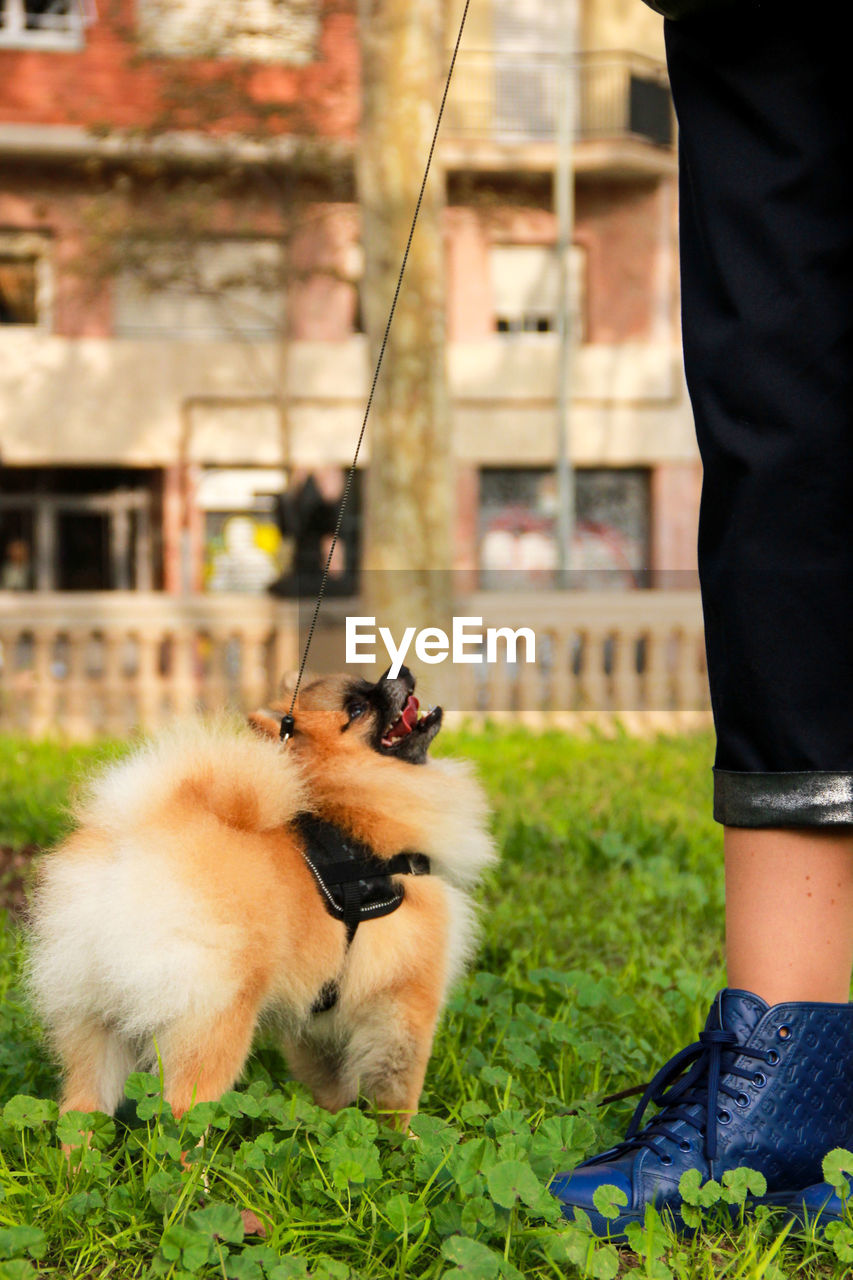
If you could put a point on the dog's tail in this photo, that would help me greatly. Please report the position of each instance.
(218, 765)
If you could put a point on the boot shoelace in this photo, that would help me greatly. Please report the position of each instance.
(699, 1086)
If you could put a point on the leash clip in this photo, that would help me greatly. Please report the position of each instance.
(287, 727)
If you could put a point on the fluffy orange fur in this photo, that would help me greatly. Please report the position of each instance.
(181, 912)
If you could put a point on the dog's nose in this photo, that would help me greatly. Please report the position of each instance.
(405, 675)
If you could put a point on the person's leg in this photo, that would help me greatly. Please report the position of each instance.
(767, 281)
(767, 268)
(789, 913)
(766, 145)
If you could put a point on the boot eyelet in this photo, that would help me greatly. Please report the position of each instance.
(772, 1057)
(742, 1100)
(724, 1116)
(784, 1032)
(665, 1159)
(759, 1079)
(684, 1146)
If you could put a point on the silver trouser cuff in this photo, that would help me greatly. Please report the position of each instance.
(807, 798)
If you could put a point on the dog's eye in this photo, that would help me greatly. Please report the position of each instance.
(357, 709)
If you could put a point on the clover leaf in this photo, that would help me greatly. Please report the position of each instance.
(836, 1164)
(512, 1180)
(473, 1259)
(608, 1200)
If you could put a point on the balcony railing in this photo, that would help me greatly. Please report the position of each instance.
(514, 97)
(83, 664)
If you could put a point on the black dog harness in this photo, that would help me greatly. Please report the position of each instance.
(354, 883)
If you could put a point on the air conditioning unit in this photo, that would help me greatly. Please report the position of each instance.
(650, 110)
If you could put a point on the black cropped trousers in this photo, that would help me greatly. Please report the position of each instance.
(764, 97)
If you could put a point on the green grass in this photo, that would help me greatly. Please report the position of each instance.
(601, 949)
(36, 781)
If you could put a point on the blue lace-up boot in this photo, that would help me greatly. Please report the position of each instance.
(764, 1088)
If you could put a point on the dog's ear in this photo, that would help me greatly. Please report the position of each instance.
(265, 723)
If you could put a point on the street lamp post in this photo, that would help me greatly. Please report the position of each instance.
(564, 207)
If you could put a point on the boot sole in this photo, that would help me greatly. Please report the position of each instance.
(613, 1229)
(805, 1215)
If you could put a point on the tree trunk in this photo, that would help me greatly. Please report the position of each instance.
(408, 535)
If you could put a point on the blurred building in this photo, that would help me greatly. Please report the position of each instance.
(180, 323)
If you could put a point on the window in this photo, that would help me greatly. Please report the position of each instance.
(527, 76)
(283, 31)
(77, 529)
(353, 271)
(24, 278)
(228, 288)
(265, 530)
(44, 24)
(242, 544)
(18, 291)
(526, 288)
(612, 514)
(16, 548)
(518, 528)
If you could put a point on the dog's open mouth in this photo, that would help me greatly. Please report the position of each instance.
(410, 720)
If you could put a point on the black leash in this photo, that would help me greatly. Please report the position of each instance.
(286, 730)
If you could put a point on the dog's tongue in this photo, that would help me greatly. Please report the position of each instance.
(408, 719)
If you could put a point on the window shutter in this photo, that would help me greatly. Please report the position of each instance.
(526, 284)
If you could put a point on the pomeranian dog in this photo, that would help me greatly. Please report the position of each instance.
(218, 877)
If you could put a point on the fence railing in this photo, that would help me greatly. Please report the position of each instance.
(79, 665)
(513, 95)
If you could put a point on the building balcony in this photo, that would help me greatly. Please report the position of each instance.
(501, 116)
(503, 112)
